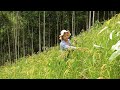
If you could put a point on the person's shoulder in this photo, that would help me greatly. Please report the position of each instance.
(62, 42)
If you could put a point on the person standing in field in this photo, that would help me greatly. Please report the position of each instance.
(65, 43)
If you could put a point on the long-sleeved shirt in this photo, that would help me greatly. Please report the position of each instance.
(64, 45)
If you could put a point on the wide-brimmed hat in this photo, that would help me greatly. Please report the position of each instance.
(63, 32)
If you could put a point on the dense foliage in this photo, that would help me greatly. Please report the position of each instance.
(96, 63)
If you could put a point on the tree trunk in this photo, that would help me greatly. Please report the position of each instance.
(73, 23)
(39, 34)
(114, 12)
(1, 49)
(49, 34)
(17, 29)
(23, 43)
(44, 30)
(89, 19)
(8, 45)
(15, 39)
(3, 52)
(28, 42)
(103, 15)
(57, 27)
(63, 20)
(93, 18)
(108, 15)
(98, 16)
(32, 41)
(111, 13)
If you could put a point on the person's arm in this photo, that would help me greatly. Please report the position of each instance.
(71, 46)
(66, 47)
(77, 48)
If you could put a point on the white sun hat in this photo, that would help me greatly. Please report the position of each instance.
(63, 32)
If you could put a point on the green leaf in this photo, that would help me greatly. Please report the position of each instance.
(114, 55)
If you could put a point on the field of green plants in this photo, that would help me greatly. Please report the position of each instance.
(101, 61)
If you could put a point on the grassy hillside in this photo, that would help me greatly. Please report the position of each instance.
(56, 64)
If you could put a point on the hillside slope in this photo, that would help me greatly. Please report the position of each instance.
(56, 64)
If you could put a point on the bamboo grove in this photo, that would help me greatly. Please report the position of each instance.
(23, 33)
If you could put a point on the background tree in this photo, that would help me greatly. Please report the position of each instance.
(24, 33)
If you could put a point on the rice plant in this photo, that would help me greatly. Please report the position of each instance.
(92, 64)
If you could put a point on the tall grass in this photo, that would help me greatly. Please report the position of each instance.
(56, 64)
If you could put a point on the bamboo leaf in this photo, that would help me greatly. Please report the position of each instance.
(116, 46)
(97, 46)
(111, 34)
(114, 55)
(102, 30)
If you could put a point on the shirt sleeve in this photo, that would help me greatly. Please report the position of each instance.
(69, 42)
(64, 46)
(72, 47)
